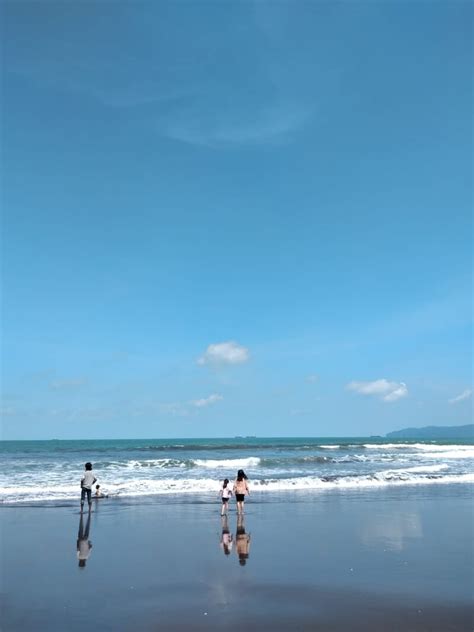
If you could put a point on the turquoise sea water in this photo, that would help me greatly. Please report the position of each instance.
(33, 471)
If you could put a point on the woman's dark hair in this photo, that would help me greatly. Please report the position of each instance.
(88, 466)
(241, 475)
(226, 482)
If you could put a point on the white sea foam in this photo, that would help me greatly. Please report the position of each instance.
(426, 468)
(251, 461)
(427, 447)
(154, 487)
(453, 454)
(160, 463)
(443, 448)
(330, 447)
(358, 482)
(349, 458)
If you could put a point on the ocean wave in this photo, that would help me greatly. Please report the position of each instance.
(251, 461)
(379, 479)
(153, 487)
(452, 454)
(141, 463)
(428, 468)
(230, 447)
(429, 447)
(285, 462)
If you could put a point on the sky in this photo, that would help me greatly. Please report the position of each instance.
(247, 218)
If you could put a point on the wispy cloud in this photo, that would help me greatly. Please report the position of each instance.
(175, 409)
(299, 412)
(207, 401)
(8, 411)
(58, 385)
(312, 379)
(224, 353)
(220, 127)
(191, 87)
(184, 409)
(382, 389)
(464, 395)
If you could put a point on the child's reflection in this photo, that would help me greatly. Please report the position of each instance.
(226, 538)
(84, 545)
(242, 541)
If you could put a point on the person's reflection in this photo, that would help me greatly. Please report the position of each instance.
(84, 545)
(242, 541)
(226, 538)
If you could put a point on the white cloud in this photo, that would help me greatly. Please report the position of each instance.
(464, 395)
(382, 388)
(207, 401)
(223, 353)
(399, 392)
(312, 378)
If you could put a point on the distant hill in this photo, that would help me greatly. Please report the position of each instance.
(434, 432)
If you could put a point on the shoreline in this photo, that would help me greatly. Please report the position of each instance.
(261, 495)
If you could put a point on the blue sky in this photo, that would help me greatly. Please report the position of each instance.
(236, 218)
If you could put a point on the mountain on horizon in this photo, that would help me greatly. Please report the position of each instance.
(434, 432)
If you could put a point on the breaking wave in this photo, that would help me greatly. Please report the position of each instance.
(153, 487)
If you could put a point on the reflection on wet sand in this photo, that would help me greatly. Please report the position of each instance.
(226, 538)
(392, 530)
(84, 545)
(242, 541)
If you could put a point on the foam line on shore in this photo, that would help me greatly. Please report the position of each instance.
(150, 487)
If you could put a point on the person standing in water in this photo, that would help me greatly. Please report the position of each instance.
(225, 494)
(86, 485)
(241, 489)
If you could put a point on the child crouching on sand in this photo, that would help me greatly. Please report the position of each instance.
(99, 493)
(225, 494)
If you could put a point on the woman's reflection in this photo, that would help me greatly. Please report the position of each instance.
(242, 541)
(84, 545)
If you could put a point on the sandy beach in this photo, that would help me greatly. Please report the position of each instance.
(381, 559)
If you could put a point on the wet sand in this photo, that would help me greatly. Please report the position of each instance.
(387, 560)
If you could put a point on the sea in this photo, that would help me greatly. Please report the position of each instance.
(140, 469)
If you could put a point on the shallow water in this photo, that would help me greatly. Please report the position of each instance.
(365, 560)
